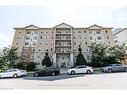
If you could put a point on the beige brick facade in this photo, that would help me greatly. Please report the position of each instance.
(61, 41)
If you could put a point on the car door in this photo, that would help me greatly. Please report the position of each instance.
(7, 73)
(43, 72)
(117, 67)
(80, 69)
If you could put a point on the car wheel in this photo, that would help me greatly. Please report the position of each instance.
(88, 72)
(15, 75)
(53, 73)
(72, 72)
(125, 70)
(36, 74)
(109, 70)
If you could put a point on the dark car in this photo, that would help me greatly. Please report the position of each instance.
(47, 72)
(114, 68)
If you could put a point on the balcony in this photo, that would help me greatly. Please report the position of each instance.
(63, 39)
(63, 33)
(64, 46)
(63, 51)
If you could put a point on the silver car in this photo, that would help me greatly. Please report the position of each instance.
(114, 68)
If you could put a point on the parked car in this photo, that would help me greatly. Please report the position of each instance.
(80, 69)
(47, 71)
(13, 73)
(114, 68)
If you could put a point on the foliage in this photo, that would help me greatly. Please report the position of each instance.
(46, 61)
(109, 60)
(8, 56)
(20, 65)
(119, 52)
(31, 66)
(98, 52)
(80, 60)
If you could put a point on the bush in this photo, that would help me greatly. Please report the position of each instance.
(20, 65)
(31, 66)
(26, 66)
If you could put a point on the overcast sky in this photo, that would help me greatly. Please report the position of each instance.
(48, 13)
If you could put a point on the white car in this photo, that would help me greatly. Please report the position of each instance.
(80, 69)
(13, 73)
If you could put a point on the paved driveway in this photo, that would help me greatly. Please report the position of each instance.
(83, 81)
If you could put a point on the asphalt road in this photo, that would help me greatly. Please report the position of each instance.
(64, 81)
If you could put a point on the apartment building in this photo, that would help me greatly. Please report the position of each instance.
(120, 36)
(61, 42)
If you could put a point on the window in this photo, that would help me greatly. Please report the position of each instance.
(85, 31)
(41, 37)
(52, 32)
(39, 50)
(17, 43)
(74, 37)
(26, 43)
(28, 32)
(38, 56)
(41, 32)
(52, 37)
(91, 38)
(107, 37)
(106, 31)
(19, 32)
(86, 43)
(40, 43)
(74, 43)
(34, 43)
(79, 31)
(98, 32)
(27, 38)
(51, 49)
(34, 49)
(47, 32)
(85, 37)
(99, 37)
(18, 37)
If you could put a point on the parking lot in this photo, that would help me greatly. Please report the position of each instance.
(64, 81)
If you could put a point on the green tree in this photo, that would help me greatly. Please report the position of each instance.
(46, 61)
(119, 52)
(80, 60)
(98, 53)
(8, 56)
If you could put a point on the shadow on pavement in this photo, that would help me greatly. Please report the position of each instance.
(52, 78)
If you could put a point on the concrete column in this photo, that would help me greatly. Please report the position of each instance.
(71, 60)
(54, 59)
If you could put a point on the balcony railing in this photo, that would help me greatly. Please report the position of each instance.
(63, 51)
(62, 45)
